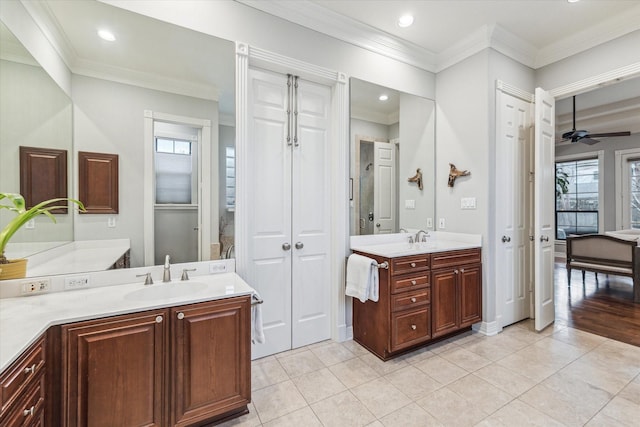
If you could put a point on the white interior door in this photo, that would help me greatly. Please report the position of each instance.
(513, 255)
(311, 299)
(544, 211)
(289, 180)
(269, 182)
(384, 196)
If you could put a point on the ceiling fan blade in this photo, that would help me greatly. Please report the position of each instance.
(589, 141)
(608, 134)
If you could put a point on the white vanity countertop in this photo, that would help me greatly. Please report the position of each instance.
(397, 245)
(24, 319)
(77, 257)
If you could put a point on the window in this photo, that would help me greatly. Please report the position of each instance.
(230, 185)
(577, 197)
(175, 167)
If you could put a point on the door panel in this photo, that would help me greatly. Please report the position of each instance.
(384, 199)
(311, 303)
(544, 208)
(269, 179)
(513, 195)
(445, 302)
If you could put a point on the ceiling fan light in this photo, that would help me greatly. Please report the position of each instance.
(405, 21)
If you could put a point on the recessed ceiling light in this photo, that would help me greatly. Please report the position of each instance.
(573, 1)
(405, 21)
(106, 35)
(383, 97)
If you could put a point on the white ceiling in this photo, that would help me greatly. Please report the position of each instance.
(159, 55)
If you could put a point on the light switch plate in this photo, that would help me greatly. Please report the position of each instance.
(410, 204)
(468, 203)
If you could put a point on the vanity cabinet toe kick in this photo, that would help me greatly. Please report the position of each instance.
(422, 298)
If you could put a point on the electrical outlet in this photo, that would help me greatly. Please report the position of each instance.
(429, 222)
(111, 221)
(216, 267)
(31, 224)
(35, 286)
(76, 282)
(441, 223)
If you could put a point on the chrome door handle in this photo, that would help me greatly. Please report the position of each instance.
(378, 224)
(506, 239)
(286, 246)
(299, 245)
(544, 238)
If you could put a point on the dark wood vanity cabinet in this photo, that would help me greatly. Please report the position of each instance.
(211, 360)
(421, 297)
(179, 366)
(457, 291)
(23, 389)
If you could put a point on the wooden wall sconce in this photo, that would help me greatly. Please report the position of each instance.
(98, 182)
(417, 178)
(454, 173)
(43, 175)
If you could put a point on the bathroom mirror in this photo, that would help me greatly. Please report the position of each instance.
(34, 112)
(391, 139)
(152, 67)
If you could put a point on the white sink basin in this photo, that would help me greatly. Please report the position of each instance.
(166, 291)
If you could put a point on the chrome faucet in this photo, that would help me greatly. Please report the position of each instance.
(403, 230)
(424, 237)
(166, 276)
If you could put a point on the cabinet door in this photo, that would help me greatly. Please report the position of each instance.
(113, 371)
(444, 297)
(211, 359)
(470, 295)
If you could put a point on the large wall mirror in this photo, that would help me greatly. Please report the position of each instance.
(153, 67)
(392, 160)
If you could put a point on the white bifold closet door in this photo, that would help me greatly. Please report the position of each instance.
(289, 175)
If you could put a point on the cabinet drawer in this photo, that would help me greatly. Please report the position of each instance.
(410, 327)
(409, 264)
(26, 411)
(19, 375)
(415, 281)
(447, 259)
(411, 299)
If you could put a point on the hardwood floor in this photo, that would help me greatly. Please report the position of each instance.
(604, 307)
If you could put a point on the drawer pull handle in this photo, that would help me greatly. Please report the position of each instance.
(180, 315)
(414, 327)
(28, 412)
(413, 264)
(30, 369)
(413, 299)
(414, 282)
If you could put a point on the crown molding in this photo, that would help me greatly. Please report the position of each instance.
(588, 38)
(318, 18)
(325, 21)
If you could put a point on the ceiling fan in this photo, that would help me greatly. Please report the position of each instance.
(583, 135)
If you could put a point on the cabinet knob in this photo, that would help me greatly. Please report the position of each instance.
(414, 327)
(299, 245)
(462, 270)
(30, 369)
(413, 299)
(158, 319)
(413, 264)
(286, 246)
(180, 315)
(414, 282)
(455, 271)
(28, 412)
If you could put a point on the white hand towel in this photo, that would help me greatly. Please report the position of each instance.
(362, 278)
(257, 332)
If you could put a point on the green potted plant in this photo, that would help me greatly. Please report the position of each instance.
(16, 269)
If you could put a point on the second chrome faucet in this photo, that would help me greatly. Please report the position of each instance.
(166, 275)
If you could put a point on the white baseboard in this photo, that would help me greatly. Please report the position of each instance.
(487, 328)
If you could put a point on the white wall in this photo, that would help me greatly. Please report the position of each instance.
(237, 22)
(109, 118)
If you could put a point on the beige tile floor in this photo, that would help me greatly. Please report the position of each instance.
(560, 377)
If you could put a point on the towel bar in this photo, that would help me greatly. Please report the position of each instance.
(384, 265)
(255, 300)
